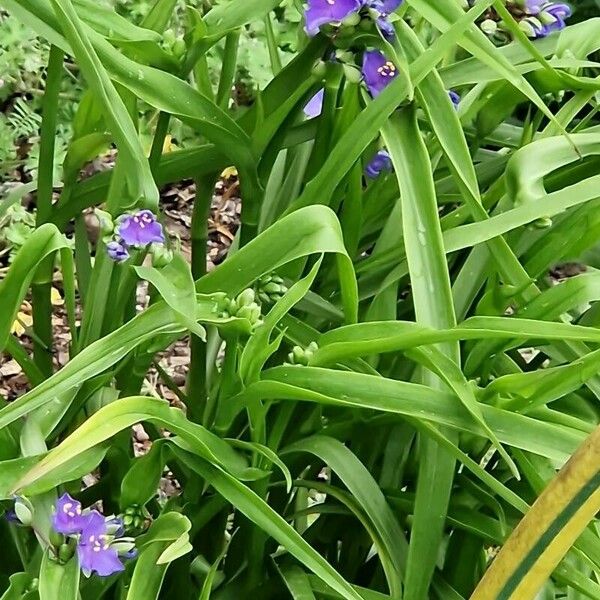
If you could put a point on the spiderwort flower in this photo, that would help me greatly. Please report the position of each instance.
(315, 105)
(454, 97)
(377, 71)
(379, 163)
(321, 12)
(140, 229)
(554, 15)
(384, 9)
(117, 251)
(533, 7)
(94, 550)
(68, 518)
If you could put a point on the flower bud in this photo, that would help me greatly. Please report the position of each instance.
(178, 48)
(24, 510)
(353, 75)
(542, 223)
(161, 255)
(489, 26)
(246, 297)
(56, 539)
(531, 27)
(65, 552)
(351, 20)
(302, 356)
(106, 223)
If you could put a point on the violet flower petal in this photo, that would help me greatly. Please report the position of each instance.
(321, 12)
(386, 28)
(141, 229)
(454, 97)
(117, 251)
(377, 71)
(315, 105)
(380, 162)
(94, 550)
(389, 6)
(68, 518)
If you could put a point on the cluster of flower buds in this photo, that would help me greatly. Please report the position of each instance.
(173, 43)
(135, 518)
(302, 356)
(536, 18)
(244, 306)
(98, 540)
(137, 230)
(270, 288)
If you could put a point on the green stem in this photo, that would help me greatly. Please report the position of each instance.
(230, 54)
(272, 46)
(40, 292)
(196, 383)
(31, 370)
(162, 128)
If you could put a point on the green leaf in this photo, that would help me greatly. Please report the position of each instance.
(258, 511)
(58, 581)
(313, 230)
(166, 540)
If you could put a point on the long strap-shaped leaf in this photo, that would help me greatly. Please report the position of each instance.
(548, 530)
(258, 511)
(137, 171)
(432, 297)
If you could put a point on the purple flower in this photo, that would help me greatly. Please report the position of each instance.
(454, 97)
(534, 6)
(315, 105)
(140, 229)
(11, 516)
(558, 13)
(321, 12)
(94, 550)
(68, 518)
(386, 7)
(377, 71)
(380, 162)
(117, 251)
(386, 28)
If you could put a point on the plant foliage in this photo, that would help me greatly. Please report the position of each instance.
(392, 388)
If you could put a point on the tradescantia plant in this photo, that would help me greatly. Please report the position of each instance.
(388, 394)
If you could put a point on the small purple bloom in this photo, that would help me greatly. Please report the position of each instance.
(321, 12)
(386, 28)
(389, 6)
(68, 518)
(94, 550)
(315, 105)
(454, 97)
(534, 6)
(380, 162)
(11, 516)
(559, 12)
(140, 229)
(377, 71)
(117, 251)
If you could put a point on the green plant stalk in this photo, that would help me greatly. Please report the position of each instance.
(434, 307)
(274, 57)
(31, 370)
(99, 286)
(41, 292)
(158, 142)
(196, 389)
(83, 263)
(232, 42)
